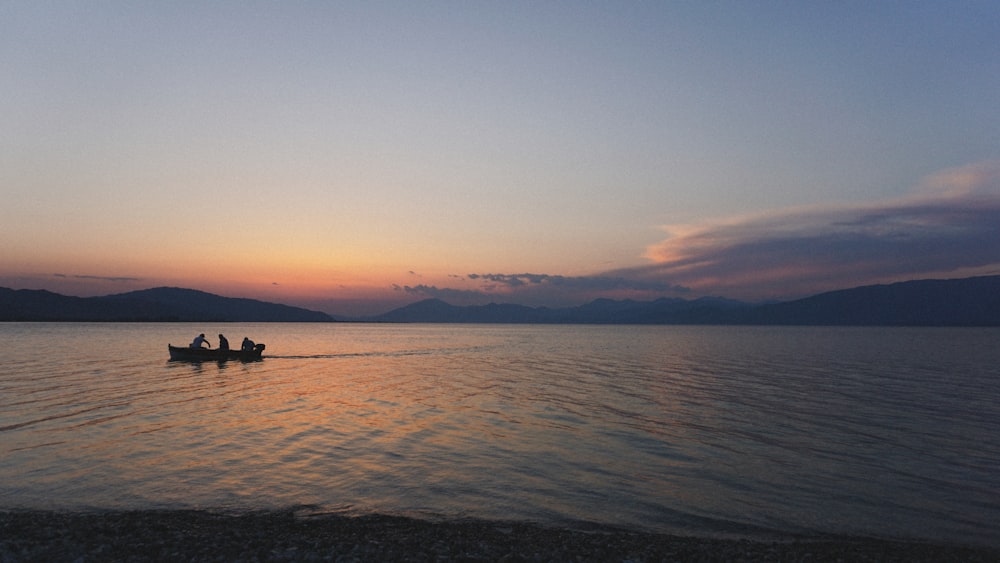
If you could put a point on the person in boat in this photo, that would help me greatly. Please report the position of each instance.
(247, 345)
(223, 343)
(199, 340)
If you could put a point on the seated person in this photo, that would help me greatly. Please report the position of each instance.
(199, 340)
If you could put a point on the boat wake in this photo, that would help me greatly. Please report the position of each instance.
(377, 354)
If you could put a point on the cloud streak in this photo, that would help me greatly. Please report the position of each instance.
(540, 289)
(116, 279)
(948, 227)
(451, 295)
(588, 283)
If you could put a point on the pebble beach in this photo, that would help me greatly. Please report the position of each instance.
(180, 535)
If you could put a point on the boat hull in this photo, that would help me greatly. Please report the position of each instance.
(187, 354)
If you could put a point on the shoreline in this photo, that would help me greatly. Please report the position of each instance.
(194, 535)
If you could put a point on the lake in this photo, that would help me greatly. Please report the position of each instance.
(713, 431)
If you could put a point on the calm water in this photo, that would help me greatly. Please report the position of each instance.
(696, 430)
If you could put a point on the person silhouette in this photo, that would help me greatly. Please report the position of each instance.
(199, 340)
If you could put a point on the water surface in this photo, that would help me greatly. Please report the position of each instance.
(695, 430)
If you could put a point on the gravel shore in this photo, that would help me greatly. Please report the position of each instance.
(174, 535)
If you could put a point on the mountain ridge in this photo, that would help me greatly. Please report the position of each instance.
(973, 301)
(159, 304)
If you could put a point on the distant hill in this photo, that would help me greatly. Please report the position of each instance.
(600, 311)
(158, 304)
(960, 302)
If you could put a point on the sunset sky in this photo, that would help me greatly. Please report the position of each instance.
(352, 157)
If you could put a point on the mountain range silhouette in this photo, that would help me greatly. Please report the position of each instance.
(956, 302)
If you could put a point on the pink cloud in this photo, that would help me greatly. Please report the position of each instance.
(951, 224)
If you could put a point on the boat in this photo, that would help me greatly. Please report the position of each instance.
(188, 354)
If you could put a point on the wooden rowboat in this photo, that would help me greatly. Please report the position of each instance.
(188, 354)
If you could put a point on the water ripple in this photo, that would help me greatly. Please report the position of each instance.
(687, 429)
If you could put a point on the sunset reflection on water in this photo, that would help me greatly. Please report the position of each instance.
(690, 429)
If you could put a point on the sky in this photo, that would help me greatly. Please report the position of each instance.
(353, 157)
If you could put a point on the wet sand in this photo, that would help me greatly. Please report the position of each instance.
(173, 535)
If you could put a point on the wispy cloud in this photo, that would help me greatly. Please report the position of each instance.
(452, 295)
(587, 283)
(948, 226)
(951, 224)
(97, 278)
(541, 289)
